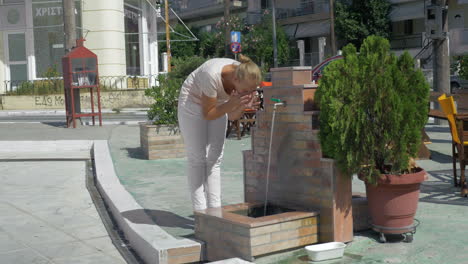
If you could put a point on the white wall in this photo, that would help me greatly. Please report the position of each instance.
(2, 64)
(288, 4)
(462, 11)
(105, 21)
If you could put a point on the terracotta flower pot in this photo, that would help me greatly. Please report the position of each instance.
(394, 200)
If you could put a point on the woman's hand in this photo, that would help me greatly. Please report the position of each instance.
(237, 100)
(254, 102)
(236, 113)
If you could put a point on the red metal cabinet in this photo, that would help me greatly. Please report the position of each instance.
(80, 71)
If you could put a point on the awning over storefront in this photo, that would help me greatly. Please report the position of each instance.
(309, 29)
(406, 11)
(290, 30)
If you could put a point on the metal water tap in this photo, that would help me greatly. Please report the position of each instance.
(278, 102)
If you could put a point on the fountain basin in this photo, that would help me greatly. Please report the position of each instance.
(229, 231)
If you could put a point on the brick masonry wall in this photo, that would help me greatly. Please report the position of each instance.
(227, 240)
(360, 212)
(161, 142)
(299, 177)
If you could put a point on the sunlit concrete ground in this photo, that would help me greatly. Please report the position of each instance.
(160, 187)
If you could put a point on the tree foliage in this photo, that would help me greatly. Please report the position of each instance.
(355, 20)
(373, 108)
(181, 47)
(164, 109)
(256, 41)
(463, 72)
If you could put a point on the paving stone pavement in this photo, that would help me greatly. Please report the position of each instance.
(48, 215)
(160, 187)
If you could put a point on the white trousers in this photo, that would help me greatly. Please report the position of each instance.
(204, 144)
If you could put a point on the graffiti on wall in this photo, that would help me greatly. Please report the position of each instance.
(108, 100)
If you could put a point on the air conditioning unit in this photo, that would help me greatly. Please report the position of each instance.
(434, 22)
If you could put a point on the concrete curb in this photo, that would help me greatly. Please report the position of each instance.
(87, 123)
(42, 150)
(133, 122)
(57, 112)
(153, 244)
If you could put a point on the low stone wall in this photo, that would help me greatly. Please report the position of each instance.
(228, 234)
(461, 97)
(109, 100)
(161, 142)
(360, 212)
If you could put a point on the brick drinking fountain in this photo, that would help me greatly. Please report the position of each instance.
(309, 201)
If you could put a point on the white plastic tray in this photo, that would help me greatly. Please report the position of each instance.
(325, 251)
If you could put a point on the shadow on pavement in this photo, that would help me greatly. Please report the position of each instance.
(441, 140)
(374, 235)
(135, 153)
(438, 129)
(440, 157)
(158, 217)
(55, 124)
(439, 189)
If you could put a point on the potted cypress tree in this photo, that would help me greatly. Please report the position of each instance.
(373, 107)
(160, 138)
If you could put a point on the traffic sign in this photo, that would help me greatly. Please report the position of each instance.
(235, 36)
(236, 47)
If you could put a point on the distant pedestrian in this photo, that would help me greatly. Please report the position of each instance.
(217, 90)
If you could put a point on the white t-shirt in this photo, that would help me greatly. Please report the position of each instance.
(206, 79)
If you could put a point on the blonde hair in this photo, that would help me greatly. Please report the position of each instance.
(247, 69)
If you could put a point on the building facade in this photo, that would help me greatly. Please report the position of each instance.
(309, 20)
(409, 26)
(306, 20)
(123, 33)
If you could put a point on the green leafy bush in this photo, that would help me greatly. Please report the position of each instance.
(373, 109)
(463, 67)
(164, 109)
(37, 87)
(355, 20)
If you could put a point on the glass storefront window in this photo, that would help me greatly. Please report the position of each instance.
(17, 56)
(6, 2)
(132, 10)
(18, 72)
(16, 47)
(48, 34)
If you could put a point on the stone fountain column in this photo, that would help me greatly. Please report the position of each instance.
(300, 178)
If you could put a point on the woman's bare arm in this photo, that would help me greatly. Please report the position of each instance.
(212, 112)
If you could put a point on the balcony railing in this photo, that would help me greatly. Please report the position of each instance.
(182, 6)
(310, 59)
(407, 41)
(315, 7)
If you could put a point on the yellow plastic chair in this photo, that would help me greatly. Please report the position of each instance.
(459, 145)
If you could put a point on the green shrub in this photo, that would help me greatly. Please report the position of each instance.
(464, 67)
(373, 109)
(164, 110)
(37, 87)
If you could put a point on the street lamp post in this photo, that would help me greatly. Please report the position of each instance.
(275, 46)
(332, 28)
(168, 36)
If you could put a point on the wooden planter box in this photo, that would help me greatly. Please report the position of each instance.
(161, 141)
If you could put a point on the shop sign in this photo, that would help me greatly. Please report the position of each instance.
(131, 14)
(48, 11)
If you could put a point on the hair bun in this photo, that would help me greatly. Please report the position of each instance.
(244, 59)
